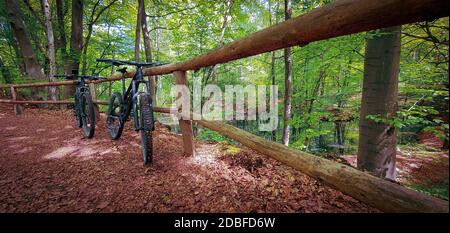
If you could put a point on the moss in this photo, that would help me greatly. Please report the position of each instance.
(228, 148)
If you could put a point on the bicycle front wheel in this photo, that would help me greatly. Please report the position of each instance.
(146, 121)
(115, 111)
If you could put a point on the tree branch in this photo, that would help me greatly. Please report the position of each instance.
(103, 10)
(33, 12)
(170, 13)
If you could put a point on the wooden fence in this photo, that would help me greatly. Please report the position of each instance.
(342, 17)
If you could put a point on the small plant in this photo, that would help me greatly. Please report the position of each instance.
(439, 190)
(209, 135)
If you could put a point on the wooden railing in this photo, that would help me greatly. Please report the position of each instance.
(343, 17)
(19, 104)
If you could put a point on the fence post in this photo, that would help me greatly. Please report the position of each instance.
(94, 100)
(185, 125)
(18, 109)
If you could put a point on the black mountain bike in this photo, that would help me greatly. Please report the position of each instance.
(133, 99)
(84, 107)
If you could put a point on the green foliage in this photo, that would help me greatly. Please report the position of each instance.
(209, 135)
(440, 190)
(327, 75)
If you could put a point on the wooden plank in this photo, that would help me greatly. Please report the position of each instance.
(185, 125)
(342, 17)
(162, 110)
(379, 193)
(111, 78)
(42, 84)
(18, 109)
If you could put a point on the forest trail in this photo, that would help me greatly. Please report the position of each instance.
(46, 165)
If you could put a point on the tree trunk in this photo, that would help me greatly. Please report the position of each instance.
(76, 41)
(93, 18)
(377, 141)
(62, 40)
(146, 34)
(148, 51)
(222, 35)
(339, 130)
(273, 103)
(137, 42)
(272, 64)
(288, 80)
(50, 46)
(85, 48)
(20, 32)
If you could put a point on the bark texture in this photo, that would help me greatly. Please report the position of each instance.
(377, 140)
(148, 50)
(228, 4)
(76, 41)
(287, 81)
(50, 46)
(32, 67)
(137, 41)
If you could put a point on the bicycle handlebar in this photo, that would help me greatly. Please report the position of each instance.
(132, 63)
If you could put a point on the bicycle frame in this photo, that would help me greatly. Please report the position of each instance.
(80, 89)
(83, 107)
(130, 96)
(134, 99)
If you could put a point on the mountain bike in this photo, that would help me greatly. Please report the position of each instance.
(132, 99)
(84, 106)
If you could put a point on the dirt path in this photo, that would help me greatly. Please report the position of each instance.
(47, 166)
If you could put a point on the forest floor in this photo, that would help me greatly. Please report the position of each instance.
(46, 165)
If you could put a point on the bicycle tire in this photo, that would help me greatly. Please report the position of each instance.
(146, 120)
(115, 131)
(88, 115)
(76, 110)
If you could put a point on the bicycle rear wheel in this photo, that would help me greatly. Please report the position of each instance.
(87, 115)
(113, 121)
(146, 121)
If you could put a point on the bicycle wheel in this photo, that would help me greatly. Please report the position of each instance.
(87, 115)
(113, 121)
(146, 121)
(76, 110)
